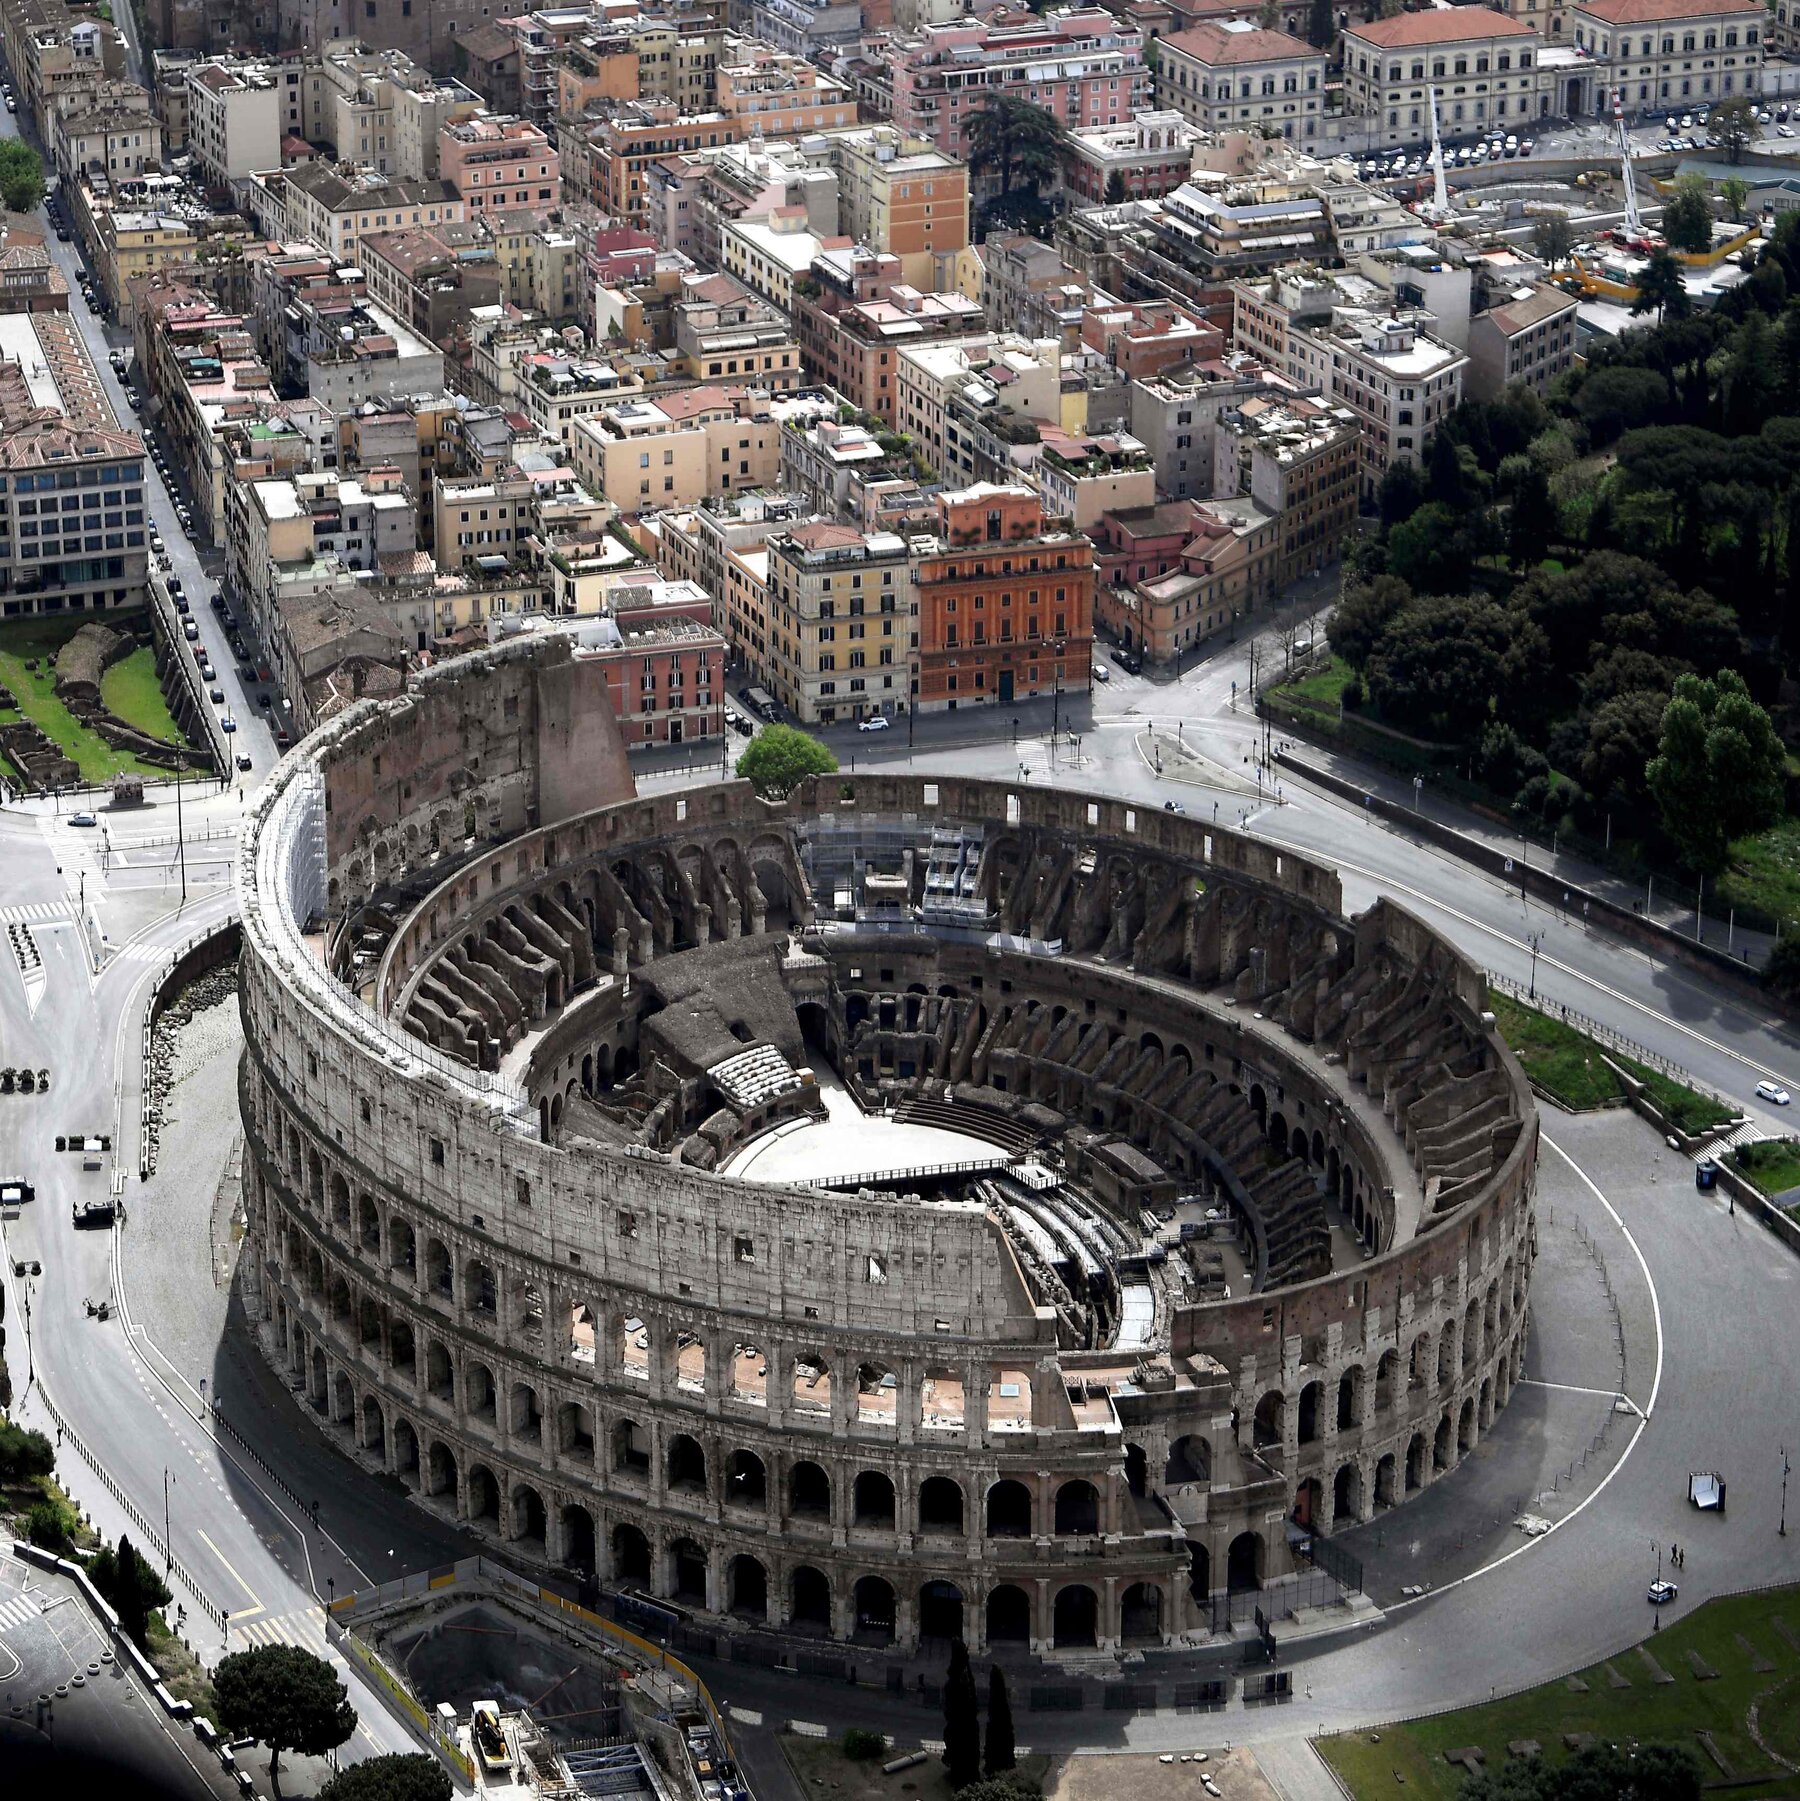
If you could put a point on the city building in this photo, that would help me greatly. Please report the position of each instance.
(1528, 336)
(1175, 416)
(1082, 476)
(1144, 338)
(1484, 65)
(1227, 569)
(235, 122)
(496, 164)
(118, 141)
(354, 351)
(1005, 602)
(430, 277)
(1234, 74)
(777, 94)
(1297, 459)
(1141, 158)
(665, 670)
(73, 519)
(857, 349)
(840, 621)
(321, 204)
(1661, 53)
(676, 450)
(1017, 374)
(903, 197)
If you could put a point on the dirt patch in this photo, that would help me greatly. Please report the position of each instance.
(1133, 1777)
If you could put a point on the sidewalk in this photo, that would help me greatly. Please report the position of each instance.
(1666, 907)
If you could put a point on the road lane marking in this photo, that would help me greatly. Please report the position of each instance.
(1572, 1388)
(241, 1613)
(1487, 1569)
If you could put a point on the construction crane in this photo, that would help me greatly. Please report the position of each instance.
(1440, 195)
(1633, 234)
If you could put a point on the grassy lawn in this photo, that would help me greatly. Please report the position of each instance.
(1409, 1758)
(821, 1769)
(182, 1673)
(1568, 1065)
(1764, 878)
(1563, 1062)
(1321, 687)
(35, 692)
(132, 692)
(1773, 1164)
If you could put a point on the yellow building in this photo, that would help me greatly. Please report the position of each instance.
(676, 451)
(136, 243)
(903, 195)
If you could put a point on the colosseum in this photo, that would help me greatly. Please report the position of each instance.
(912, 1210)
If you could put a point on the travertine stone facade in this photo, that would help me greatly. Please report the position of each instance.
(488, 1235)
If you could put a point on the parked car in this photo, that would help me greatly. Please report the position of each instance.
(1102, 673)
(228, 724)
(216, 696)
(876, 722)
(16, 1190)
(1662, 1591)
(1774, 1093)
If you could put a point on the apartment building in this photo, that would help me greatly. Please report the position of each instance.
(872, 336)
(620, 150)
(557, 388)
(1484, 65)
(73, 519)
(1140, 158)
(1176, 416)
(665, 671)
(1664, 53)
(840, 622)
(117, 141)
(725, 333)
(497, 164)
(677, 450)
(1337, 334)
(430, 277)
(1234, 75)
(902, 196)
(333, 208)
(477, 518)
(355, 352)
(1006, 602)
(1080, 63)
(723, 545)
(1144, 338)
(1298, 460)
(649, 56)
(771, 92)
(1082, 475)
(1228, 568)
(235, 123)
(1527, 337)
(1027, 372)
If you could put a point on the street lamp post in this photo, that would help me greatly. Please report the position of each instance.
(1534, 941)
(168, 1545)
(180, 834)
(1782, 1528)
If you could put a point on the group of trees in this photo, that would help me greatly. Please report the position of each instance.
(1593, 596)
(962, 1732)
(130, 1586)
(24, 1455)
(1595, 1773)
(21, 176)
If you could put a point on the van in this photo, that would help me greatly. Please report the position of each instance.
(761, 702)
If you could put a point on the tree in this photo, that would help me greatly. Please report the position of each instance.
(1662, 289)
(1355, 628)
(400, 1776)
(1622, 738)
(1553, 240)
(129, 1585)
(1430, 551)
(1019, 144)
(1449, 663)
(1000, 1753)
(962, 1720)
(1734, 190)
(1734, 124)
(1321, 24)
(286, 1697)
(24, 1454)
(1718, 768)
(1401, 494)
(21, 177)
(779, 758)
(1531, 520)
(1687, 220)
(1115, 189)
(1781, 969)
(1611, 401)
(1598, 1773)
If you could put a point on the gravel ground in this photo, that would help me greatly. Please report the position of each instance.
(178, 1277)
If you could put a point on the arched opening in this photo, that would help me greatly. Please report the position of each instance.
(809, 1492)
(1008, 1616)
(1190, 1460)
(374, 1428)
(630, 1449)
(1298, 1145)
(525, 1420)
(1308, 1424)
(1269, 1420)
(1075, 1618)
(1387, 1375)
(873, 1501)
(478, 1391)
(1416, 1452)
(528, 1518)
(1350, 1398)
(368, 1224)
(578, 1539)
(1259, 1105)
(746, 1481)
(406, 1453)
(1346, 1495)
(480, 1290)
(1244, 1563)
(1307, 1498)
(747, 1588)
(484, 1495)
(1386, 1475)
(1077, 1510)
(941, 1407)
(1465, 1428)
(687, 1465)
(437, 1267)
(1200, 1574)
(1137, 1469)
(812, 1387)
(687, 1572)
(1008, 1509)
(1140, 1614)
(940, 1506)
(403, 1247)
(1484, 1416)
(811, 1610)
(440, 1472)
(877, 1394)
(630, 1555)
(690, 1363)
(634, 1350)
(575, 1431)
(749, 1376)
(1442, 1445)
(1278, 1133)
(940, 1611)
(874, 1605)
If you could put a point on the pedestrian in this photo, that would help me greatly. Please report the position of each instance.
(1675, 1556)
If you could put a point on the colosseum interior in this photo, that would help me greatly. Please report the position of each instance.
(918, 1209)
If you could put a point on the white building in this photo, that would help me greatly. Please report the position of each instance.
(1233, 74)
(234, 120)
(1483, 64)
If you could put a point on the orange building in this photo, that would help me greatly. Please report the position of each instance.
(622, 148)
(779, 95)
(1006, 602)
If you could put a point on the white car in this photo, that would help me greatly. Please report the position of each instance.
(1784, 131)
(1774, 1093)
(1661, 1592)
(876, 722)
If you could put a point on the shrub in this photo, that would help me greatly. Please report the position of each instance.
(24, 1454)
(862, 1745)
(1355, 696)
(47, 1526)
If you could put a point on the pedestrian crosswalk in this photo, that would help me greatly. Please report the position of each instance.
(304, 1628)
(35, 913)
(18, 1611)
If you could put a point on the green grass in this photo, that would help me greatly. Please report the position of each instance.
(1409, 1758)
(1773, 1164)
(1571, 1068)
(1563, 1062)
(1763, 880)
(133, 693)
(182, 1673)
(35, 692)
(1321, 688)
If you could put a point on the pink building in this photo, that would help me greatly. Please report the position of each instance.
(494, 163)
(1078, 62)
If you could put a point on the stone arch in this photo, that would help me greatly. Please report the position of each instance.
(1465, 1427)
(809, 1491)
(368, 1224)
(811, 1392)
(747, 1588)
(402, 1246)
(690, 1362)
(1008, 1615)
(405, 1462)
(688, 1572)
(872, 1501)
(1308, 1512)
(877, 1390)
(479, 1396)
(686, 1465)
(1270, 1419)
(941, 1506)
(1190, 1460)
(1443, 1445)
(630, 1554)
(529, 1518)
(1308, 1423)
(1245, 1563)
(1387, 1379)
(578, 1541)
(746, 1480)
(809, 1599)
(630, 1449)
(1387, 1481)
(1141, 1614)
(437, 1267)
(940, 1610)
(481, 1291)
(575, 1431)
(441, 1474)
(1416, 1453)
(874, 1615)
(484, 1494)
(1137, 1470)
(374, 1425)
(440, 1372)
(1350, 1398)
(1077, 1509)
(1075, 1618)
(1008, 1509)
(747, 1380)
(1346, 1494)
(525, 1417)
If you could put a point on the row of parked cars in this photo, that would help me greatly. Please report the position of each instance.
(1392, 166)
